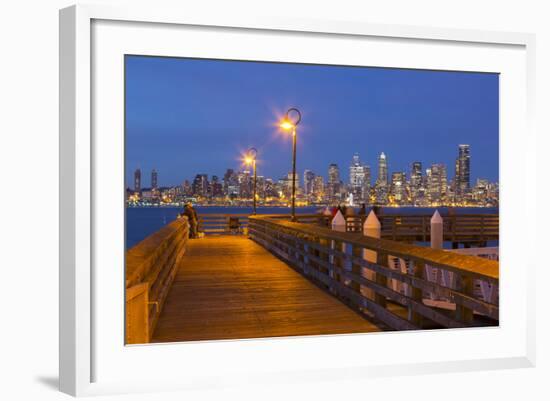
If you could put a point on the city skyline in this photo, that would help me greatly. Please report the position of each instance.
(373, 176)
(420, 185)
(325, 174)
(178, 121)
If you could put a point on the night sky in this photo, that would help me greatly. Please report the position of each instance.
(189, 116)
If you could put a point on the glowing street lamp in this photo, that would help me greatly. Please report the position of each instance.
(289, 123)
(250, 159)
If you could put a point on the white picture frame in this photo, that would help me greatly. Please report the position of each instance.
(80, 344)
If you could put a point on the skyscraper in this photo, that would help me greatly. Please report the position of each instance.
(245, 184)
(319, 188)
(296, 181)
(154, 179)
(186, 187)
(216, 187)
(462, 171)
(333, 185)
(359, 179)
(200, 185)
(398, 187)
(382, 170)
(309, 177)
(230, 183)
(366, 184)
(416, 180)
(381, 186)
(333, 174)
(137, 180)
(437, 182)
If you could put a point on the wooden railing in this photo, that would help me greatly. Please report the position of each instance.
(222, 223)
(151, 266)
(356, 269)
(460, 228)
(225, 223)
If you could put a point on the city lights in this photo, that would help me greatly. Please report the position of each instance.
(422, 186)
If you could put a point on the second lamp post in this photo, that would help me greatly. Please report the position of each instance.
(251, 159)
(291, 120)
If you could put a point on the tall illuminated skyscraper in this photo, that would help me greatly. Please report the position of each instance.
(462, 171)
(200, 185)
(318, 188)
(416, 179)
(398, 190)
(381, 186)
(309, 176)
(437, 182)
(137, 180)
(382, 170)
(333, 184)
(154, 179)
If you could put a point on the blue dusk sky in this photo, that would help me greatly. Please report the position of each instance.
(189, 116)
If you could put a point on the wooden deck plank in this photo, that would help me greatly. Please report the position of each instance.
(229, 287)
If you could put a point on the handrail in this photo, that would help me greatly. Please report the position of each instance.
(218, 223)
(151, 267)
(337, 260)
(466, 228)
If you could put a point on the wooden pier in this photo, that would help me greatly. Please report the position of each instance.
(229, 287)
(288, 278)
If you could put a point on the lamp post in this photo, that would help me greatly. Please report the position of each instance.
(290, 123)
(251, 159)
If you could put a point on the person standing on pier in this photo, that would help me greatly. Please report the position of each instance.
(192, 218)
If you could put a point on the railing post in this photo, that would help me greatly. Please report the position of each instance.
(436, 231)
(338, 224)
(466, 286)
(416, 294)
(436, 242)
(371, 228)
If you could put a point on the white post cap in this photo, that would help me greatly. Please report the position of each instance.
(372, 221)
(338, 221)
(436, 218)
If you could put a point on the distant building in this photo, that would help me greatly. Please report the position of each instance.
(382, 170)
(437, 183)
(200, 185)
(260, 187)
(245, 184)
(270, 188)
(289, 184)
(333, 184)
(319, 189)
(416, 181)
(231, 187)
(359, 180)
(154, 179)
(137, 180)
(398, 189)
(381, 189)
(147, 194)
(480, 191)
(462, 172)
(216, 187)
(186, 188)
(309, 177)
